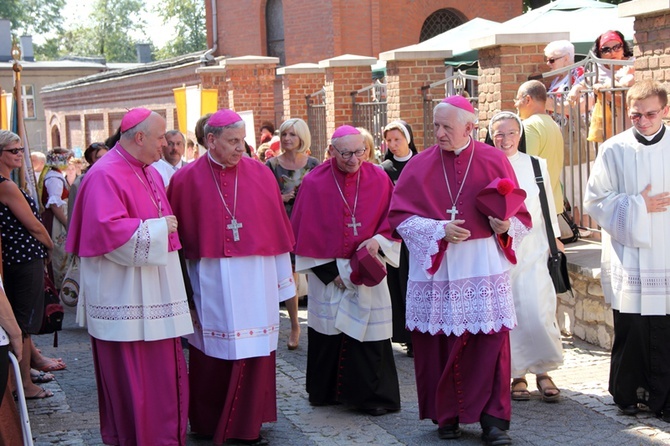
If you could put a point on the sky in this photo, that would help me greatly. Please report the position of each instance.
(75, 11)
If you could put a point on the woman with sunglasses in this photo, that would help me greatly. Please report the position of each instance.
(560, 54)
(25, 243)
(612, 46)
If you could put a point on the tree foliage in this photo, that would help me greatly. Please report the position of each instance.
(33, 16)
(188, 19)
(106, 32)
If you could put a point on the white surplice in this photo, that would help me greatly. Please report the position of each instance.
(361, 312)
(237, 304)
(536, 340)
(136, 292)
(635, 244)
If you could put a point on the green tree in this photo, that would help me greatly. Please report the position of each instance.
(106, 32)
(33, 16)
(188, 19)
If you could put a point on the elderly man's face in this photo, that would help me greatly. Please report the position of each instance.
(450, 133)
(348, 152)
(153, 140)
(228, 147)
(174, 150)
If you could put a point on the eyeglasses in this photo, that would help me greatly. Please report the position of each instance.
(14, 151)
(554, 59)
(635, 117)
(501, 136)
(611, 49)
(347, 155)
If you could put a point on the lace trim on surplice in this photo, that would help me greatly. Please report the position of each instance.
(477, 304)
(422, 237)
(136, 312)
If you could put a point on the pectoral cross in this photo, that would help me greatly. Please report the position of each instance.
(353, 225)
(453, 211)
(235, 226)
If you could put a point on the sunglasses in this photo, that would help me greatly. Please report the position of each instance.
(635, 117)
(554, 59)
(611, 49)
(14, 151)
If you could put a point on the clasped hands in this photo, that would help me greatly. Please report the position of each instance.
(454, 233)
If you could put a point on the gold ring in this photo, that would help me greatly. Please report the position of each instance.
(455, 238)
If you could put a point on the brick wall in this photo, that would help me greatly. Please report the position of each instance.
(502, 69)
(295, 88)
(215, 78)
(404, 80)
(339, 83)
(652, 47)
(251, 87)
(316, 29)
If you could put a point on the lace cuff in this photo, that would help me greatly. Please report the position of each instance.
(518, 231)
(422, 237)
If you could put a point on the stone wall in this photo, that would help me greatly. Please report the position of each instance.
(583, 312)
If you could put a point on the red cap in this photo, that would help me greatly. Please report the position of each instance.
(500, 199)
(134, 117)
(460, 102)
(366, 269)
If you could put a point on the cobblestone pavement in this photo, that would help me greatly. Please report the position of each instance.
(586, 414)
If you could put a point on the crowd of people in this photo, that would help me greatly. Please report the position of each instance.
(443, 250)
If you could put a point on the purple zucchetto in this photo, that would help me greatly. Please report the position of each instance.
(345, 130)
(223, 118)
(134, 117)
(460, 102)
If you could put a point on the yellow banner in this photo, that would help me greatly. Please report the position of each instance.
(209, 99)
(5, 99)
(180, 102)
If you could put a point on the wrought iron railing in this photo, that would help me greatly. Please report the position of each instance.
(316, 121)
(369, 110)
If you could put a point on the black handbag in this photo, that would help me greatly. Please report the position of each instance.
(557, 263)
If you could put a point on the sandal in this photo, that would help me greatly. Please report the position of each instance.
(520, 394)
(544, 391)
(39, 377)
(43, 393)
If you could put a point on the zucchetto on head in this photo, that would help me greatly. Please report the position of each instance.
(460, 102)
(223, 118)
(345, 130)
(134, 117)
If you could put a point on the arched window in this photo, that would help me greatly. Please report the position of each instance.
(274, 23)
(439, 22)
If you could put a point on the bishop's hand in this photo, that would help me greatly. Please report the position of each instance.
(498, 226)
(371, 245)
(454, 233)
(171, 223)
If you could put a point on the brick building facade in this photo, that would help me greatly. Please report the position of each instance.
(315, 30)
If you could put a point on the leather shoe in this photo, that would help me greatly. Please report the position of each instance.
(377, 411)
(630, 409)
(494, 436)
(449, 432)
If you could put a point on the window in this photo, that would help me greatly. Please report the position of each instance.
(274, 19)
(440, 21)
(28, 96)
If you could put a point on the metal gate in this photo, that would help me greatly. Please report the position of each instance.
(458, 84)
(369, 110)
(316, 121)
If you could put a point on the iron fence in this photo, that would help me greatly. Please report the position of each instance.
(578, 119)
(316, 121)
(458, 84)
(369, 110)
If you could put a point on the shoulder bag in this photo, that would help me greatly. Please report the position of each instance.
(557, 263)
